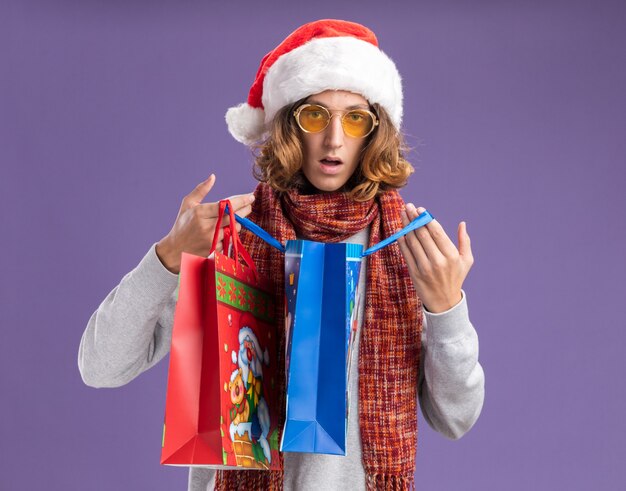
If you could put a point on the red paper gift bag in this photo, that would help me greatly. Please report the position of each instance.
(221, 394)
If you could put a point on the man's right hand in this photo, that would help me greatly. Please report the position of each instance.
(195, 225)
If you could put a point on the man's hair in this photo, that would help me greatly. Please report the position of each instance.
(382, 166)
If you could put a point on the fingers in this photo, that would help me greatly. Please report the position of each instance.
(424, 236)
(206, 215)
(408, 257)
(245, 211)
(465, 246)
(433, 237)
(241, 203)
(198, 194)
(404, 248)
(196, 224)
(411, 239)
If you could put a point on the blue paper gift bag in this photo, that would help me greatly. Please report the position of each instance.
(321, 291)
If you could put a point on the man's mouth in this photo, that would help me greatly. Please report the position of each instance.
(330, 161)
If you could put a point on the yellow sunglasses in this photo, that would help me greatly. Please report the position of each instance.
(357, 123)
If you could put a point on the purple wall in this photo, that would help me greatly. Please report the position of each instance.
(111, 111)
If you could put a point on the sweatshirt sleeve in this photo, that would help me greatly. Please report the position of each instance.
(132, 328)
(452, 382)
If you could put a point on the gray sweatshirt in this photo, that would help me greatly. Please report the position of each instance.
(132, 328)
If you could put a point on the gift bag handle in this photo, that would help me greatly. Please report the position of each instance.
(220, 218)
(260, 233)
(424, 218)
(419, 221)
(231, 233)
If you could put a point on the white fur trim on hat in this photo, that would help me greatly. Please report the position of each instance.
(333, 63)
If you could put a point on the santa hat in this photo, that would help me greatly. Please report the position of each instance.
(236, 373)
(322, 55)
(248, 322)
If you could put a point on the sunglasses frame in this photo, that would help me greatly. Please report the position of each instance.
(300, 108)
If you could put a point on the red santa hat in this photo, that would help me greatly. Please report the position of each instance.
(322, 55)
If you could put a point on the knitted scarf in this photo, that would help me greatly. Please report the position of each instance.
(390, 341)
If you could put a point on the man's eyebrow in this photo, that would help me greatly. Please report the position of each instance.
(354, 106)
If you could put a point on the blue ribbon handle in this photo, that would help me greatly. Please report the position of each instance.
(421, 220)
(416, 223)
(258, 231)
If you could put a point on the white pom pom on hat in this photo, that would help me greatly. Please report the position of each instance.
(246, 123)
(323, 55)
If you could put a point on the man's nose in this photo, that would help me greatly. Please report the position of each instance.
(334, 132)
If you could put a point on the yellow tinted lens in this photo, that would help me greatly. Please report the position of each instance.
(357, 123)
(313, 118)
